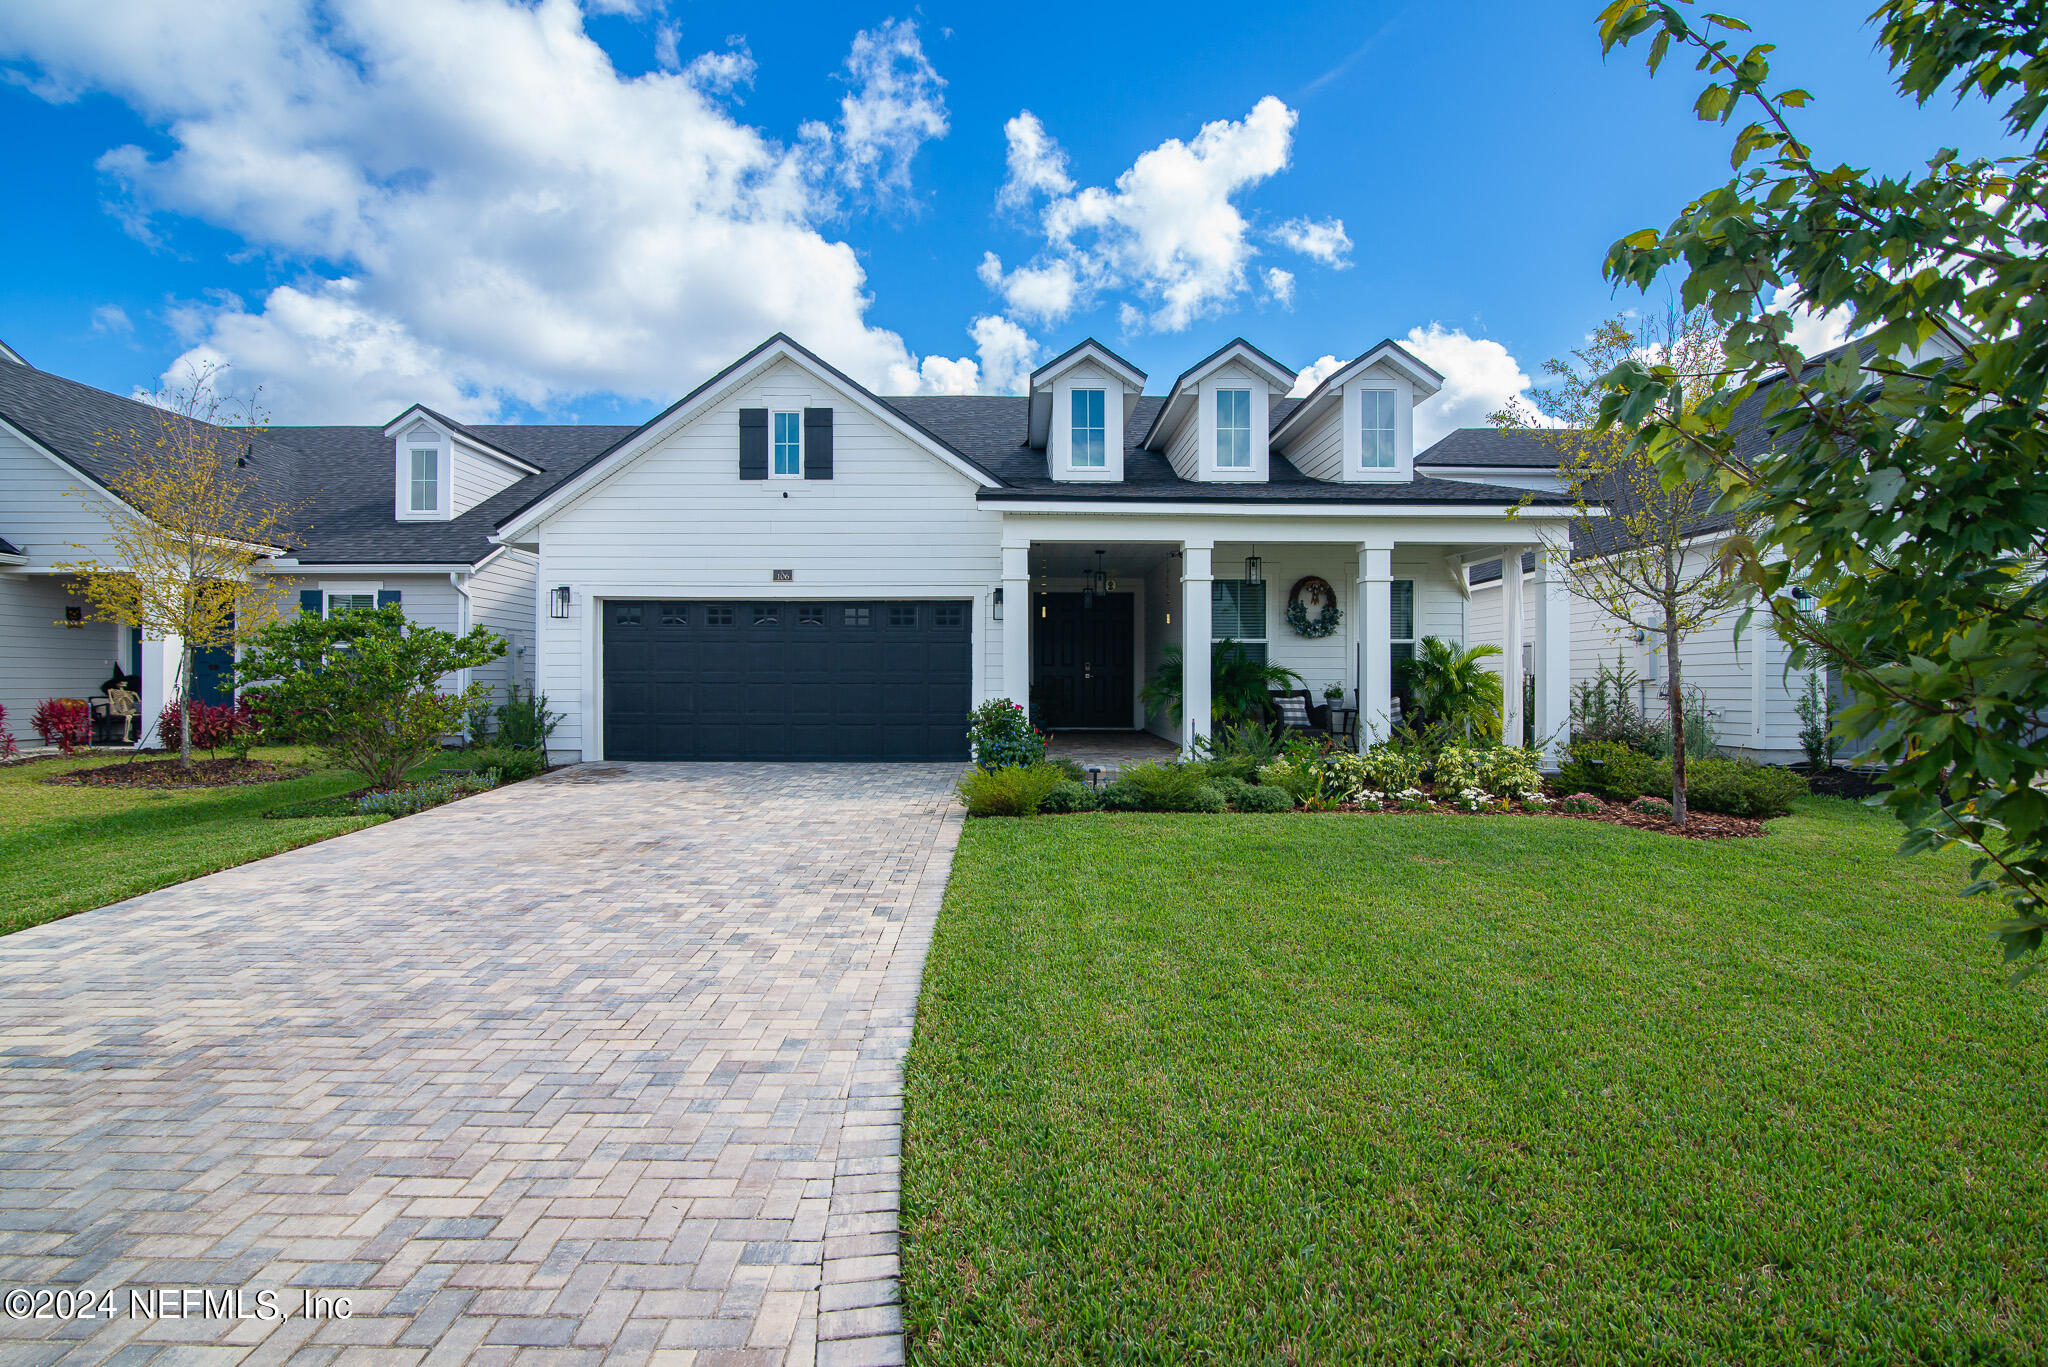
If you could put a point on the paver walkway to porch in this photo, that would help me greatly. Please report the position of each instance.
(603, 1067)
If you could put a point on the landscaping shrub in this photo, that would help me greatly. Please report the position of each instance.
(1232, 787)
(1742, 787)
(214, 725)
(63, 722)
(1170, 788)
(1613, 770)
(1263, 799)
(420, 796)
(1385, 768)
(1239, 751)
(1011, 790)
(1651, 806)
(1069, 796)
(8, 749)
(1002, 736)
(1119, 796)
(511, 764)
(1507, 771)
(1733, 787)
(1075, 771)
(524, 721)
(1579, 802)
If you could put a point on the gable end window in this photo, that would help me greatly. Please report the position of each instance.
(1091, 447)
(1376, 445)
(426, 479)
(1234, 429)
(789, 446)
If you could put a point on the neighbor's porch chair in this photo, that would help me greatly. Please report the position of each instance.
(114, 716)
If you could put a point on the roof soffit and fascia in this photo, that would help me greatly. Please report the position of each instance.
(1179, 399)
(1426, 379)
(517, 526)
(459, 434)
(1085, 351)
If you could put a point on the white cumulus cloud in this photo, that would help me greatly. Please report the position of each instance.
(1314, 373)
(1812, 331)
(1169, 231)
(1480, 377)
(468, 205)
(1325, 241)
(1037, 165)
(1280, 285)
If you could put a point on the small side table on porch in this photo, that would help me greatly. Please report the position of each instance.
(1344, 722)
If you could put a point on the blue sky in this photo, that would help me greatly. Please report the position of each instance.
(546, 211)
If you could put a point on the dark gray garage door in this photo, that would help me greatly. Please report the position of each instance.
(733, 680)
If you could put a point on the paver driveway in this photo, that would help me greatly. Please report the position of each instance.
(601, 1067)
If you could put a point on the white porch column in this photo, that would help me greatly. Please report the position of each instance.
(1375, 642)
(160, 662)
(1553, 654)
(1196, 620)
(1016, 681)
(1511, 644)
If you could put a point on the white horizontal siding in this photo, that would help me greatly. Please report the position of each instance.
(475, 477)
(501, 598)
(1318, 451)
(894, 521)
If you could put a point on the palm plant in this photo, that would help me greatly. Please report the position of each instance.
(1238, 683)
(1452, 689)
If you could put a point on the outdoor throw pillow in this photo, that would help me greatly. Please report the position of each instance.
(1293, 711)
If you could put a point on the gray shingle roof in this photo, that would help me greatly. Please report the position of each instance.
(339, 476)
(989, 431)
(351, 518)
(1475, 446)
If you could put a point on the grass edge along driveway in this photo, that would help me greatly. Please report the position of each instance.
(65, 850)
(1320, 1089)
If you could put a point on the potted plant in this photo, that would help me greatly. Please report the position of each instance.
(1333, 694)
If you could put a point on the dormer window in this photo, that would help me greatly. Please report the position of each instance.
(1234, 429)
(1379, 419)
(1091, 433)
(426, 479)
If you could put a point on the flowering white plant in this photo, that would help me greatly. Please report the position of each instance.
(1473, 800)
(1413, 800)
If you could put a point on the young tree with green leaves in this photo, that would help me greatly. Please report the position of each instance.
(1642, 558)
(1903, 480)
(365, 686)
(189, 530)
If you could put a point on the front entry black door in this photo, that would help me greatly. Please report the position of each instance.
(1085, 674)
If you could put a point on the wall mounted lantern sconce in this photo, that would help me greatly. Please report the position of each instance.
(996, 606)
(558, 601)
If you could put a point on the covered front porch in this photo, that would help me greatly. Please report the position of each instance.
(1103, 599)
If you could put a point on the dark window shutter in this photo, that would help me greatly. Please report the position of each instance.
(309, 601)
(386, 597)
(817, 443)
(753, 443)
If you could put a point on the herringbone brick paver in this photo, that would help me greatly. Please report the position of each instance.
(604, 1068)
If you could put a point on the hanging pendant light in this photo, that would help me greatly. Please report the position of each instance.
(1098, 583)
(1254, 570)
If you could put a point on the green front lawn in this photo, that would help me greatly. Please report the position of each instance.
(1313, 1089)
(67, 849)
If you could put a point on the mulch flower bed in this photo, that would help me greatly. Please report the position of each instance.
(1832, 782)
(168, 773)
(1698, 825)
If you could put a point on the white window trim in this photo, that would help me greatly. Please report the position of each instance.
(1393, 431)
(1249, 455)
(444, 475)
(328, 592)
(413, 451)
(798, 414)
(1074, 461)
(1265, 615)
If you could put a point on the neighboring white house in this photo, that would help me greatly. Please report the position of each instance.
(784, 565)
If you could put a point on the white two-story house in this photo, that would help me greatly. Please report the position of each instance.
(785, 566)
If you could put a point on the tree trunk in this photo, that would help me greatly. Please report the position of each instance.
(1677, 684)
(184, 701)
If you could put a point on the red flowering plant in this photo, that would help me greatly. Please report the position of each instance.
(214, 725)
(63, 722)
(8, 749)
